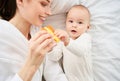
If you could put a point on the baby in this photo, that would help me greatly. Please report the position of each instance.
(75, 46)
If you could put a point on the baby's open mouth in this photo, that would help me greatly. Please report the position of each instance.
(73, 31)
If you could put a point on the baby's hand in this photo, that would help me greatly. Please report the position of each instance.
(62, 35)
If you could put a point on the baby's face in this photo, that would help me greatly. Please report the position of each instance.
(77, 22)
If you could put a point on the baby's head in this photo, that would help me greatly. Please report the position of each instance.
(78, 21)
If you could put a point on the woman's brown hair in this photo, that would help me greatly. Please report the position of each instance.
(7, 9)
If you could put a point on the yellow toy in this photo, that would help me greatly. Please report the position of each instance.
(50, 30)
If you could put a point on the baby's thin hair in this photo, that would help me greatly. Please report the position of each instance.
(80, 6)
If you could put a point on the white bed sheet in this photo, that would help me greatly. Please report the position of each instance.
(105, 31)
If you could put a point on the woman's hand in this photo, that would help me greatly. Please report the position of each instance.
(39, 45)
(63, 36)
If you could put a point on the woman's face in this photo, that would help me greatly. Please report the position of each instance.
(34, 11)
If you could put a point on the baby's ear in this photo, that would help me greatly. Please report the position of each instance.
(89, 26)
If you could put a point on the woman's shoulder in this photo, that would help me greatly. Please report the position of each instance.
(4, 23)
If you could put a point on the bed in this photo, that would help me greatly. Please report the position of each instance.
(105, 31)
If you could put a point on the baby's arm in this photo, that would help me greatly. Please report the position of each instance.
(81, 45)
(52, 69)
(56, 53)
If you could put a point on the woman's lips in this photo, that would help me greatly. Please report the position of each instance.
(42, 19)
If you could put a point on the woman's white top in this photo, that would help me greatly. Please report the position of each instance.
(13, 52)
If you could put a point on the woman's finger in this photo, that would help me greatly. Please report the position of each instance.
(37, 35)
(34, 44)
(46, 45)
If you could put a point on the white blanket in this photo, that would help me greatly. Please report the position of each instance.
(105, 31)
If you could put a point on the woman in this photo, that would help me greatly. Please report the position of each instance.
(21, 55)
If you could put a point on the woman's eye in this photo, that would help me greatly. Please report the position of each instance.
(44, 4)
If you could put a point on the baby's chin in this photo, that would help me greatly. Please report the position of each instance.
(73, 36)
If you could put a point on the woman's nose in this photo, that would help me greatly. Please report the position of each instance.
(48, 11)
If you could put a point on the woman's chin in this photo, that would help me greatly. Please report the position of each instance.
(39, 24)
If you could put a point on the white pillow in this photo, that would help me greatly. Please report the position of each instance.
(57, 21)
(59, 8)
(62, 6)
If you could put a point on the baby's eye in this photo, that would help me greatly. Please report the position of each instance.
(79, 22)
(70, 21)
